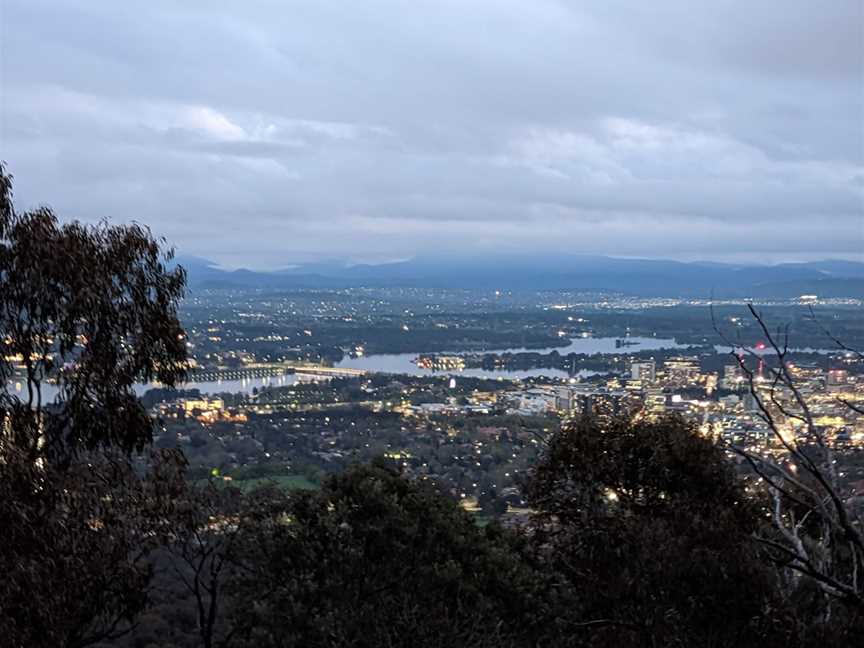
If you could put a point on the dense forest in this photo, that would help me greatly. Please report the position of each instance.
(642, 533)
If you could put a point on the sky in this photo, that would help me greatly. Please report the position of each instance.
(265, 133)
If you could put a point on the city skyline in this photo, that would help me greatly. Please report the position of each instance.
(282, 133)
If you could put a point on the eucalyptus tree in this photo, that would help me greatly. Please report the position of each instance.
(86, 311)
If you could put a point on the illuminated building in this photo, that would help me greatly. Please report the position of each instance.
(836, 380)
(733, 377)
(440, 362)
(681, 371)
(655, 400)
(645, 372)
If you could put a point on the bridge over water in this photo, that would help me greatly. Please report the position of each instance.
(270, 370)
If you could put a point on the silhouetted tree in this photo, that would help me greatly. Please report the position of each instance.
(376, 560)
(651, 527)
(201, 551)
(817, 530)
(74, 546)
(85, 313)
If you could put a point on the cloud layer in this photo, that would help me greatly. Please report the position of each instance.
(278, 132)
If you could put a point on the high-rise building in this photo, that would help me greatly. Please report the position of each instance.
(836, 380)
(750, 402)
(645, 371)
(710, 383)
(564, 397)
(655, 400)
(605, 402)
(681, 371)
(733, 377)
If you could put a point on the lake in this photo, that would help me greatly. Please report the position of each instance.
(768, 351)
(244, 386)
(402, 362)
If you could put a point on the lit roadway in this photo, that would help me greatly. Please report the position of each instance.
(264, 370)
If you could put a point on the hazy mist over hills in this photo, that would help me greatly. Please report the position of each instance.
(638, 277)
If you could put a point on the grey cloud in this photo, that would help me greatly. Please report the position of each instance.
(282, 131)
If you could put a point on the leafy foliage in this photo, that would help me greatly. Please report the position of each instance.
(91, 309)
(376, 560)
(650, 524)
(85, 312)
(75, 546)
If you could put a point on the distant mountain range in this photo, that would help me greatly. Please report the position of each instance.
(637, 277)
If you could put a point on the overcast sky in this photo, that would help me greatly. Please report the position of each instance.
(263, 133)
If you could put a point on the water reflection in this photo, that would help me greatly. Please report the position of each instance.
(403, 362)
(769, 351)
(244, 386)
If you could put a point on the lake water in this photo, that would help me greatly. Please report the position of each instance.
(402, 362)
(768, 351)
(211, 387)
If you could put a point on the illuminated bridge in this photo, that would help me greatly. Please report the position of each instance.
(269, 371)
(327, 371)
(244, 373)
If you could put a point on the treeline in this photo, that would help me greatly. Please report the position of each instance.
(641, 535)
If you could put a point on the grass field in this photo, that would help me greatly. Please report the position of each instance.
(287, 482)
